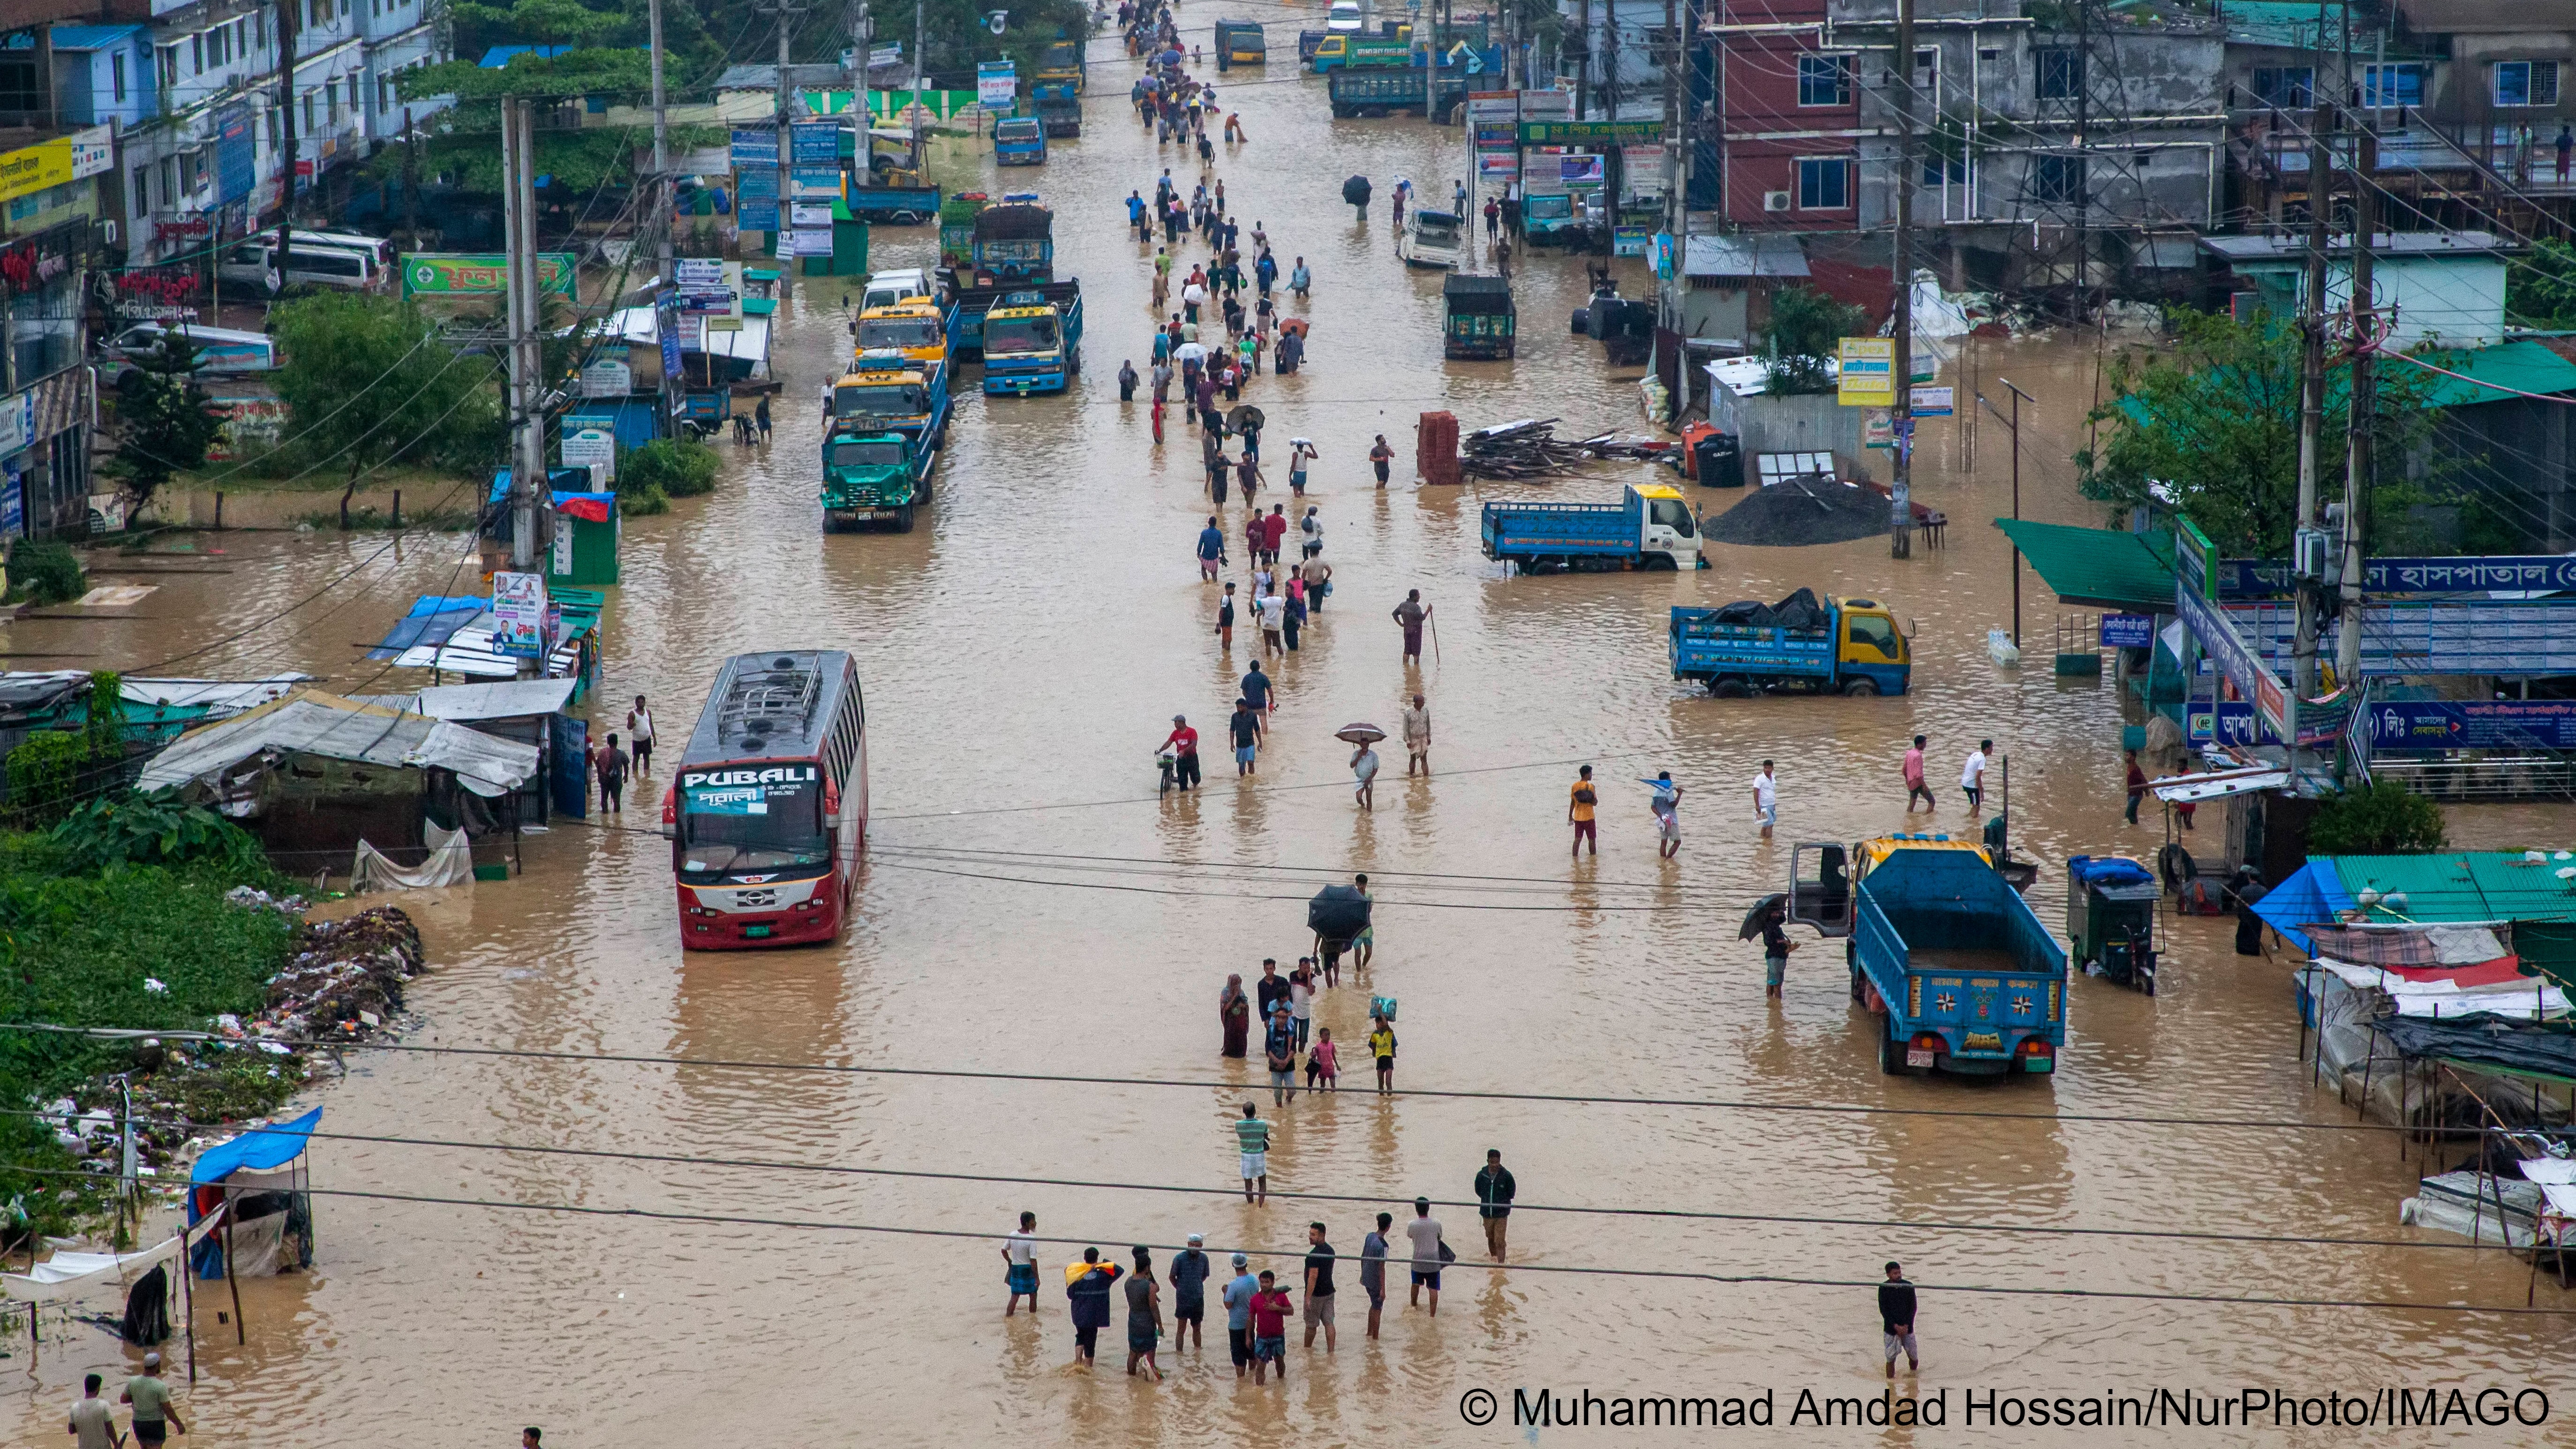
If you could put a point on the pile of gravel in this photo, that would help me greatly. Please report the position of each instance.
(1796, 511)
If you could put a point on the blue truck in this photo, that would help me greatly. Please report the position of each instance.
(1032, 344)
(968, 307)
(1799, 645)
(1943, 950)
(1058, 105)
(1649, 528)
(1019, 141)
(895, 205)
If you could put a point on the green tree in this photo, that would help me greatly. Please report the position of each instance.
(1803, 335)
(2381, 818)
(426, 404)
(680, 467)
(2208, 422)
(168, 421)
(2540, 290)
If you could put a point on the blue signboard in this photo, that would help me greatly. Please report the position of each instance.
(756, 183)
(814, 143)
(666, 321)
(2414, 724)
(236, 171)
(2128, 631)
(2249, 578)
(759, 215)
(755, 147)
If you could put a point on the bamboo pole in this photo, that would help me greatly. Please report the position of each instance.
(241, 1330)
(188, 1298)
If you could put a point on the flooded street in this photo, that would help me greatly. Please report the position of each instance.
(1030, 906)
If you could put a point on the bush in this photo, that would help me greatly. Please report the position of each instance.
(679, 467)
(155, 829)
(636, 500)
(2383, 818)
(45, 776)
(49, 573)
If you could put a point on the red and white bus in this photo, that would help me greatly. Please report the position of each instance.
(769, 813)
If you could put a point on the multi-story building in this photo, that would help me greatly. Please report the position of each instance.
(2046, 131)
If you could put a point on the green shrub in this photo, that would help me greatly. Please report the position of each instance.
(2382, 818)
(157, 829)
(48, 573)
(635, 501)
(680, 467)
(45, 776)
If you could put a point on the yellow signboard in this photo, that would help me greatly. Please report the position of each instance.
(49, 164)
(1868, 377)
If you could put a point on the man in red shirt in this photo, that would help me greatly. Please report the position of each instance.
(1270, 1328)
(1274, 530)
(1183, 742)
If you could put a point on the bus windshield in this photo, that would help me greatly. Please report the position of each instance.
(898, 332)
(727, 830)
(857, 453)
(1020, 334)
(879, 400)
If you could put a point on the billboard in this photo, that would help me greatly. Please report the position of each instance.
(480, 274)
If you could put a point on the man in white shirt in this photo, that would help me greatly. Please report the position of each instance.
(1766, 799)
(93, 1423)
(1020, 1254)
(1972, 776)
(639, 734)
(1274, 617)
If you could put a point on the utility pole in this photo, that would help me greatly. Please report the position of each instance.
(664, 203)
(786, 187)
(920, 78)
(2083, 177)
(1900, 515)
(1583, 65)
(411, 179)
(287, 17)
(527, 420)
(2312, 407)
(2358, 418)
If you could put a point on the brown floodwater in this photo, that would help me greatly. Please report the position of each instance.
(1029, 905)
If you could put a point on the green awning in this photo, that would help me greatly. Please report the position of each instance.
(2099, 568)
(759, 306)
(2521, 366)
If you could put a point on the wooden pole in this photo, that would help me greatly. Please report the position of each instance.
(241, 1330)
(188, 1299)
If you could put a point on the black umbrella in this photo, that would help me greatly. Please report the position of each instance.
(1761, 911)
(1356, 191)
(1245, 418)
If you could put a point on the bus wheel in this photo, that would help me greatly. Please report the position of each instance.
(903, 519)
(1861, 688)
(1730, 688)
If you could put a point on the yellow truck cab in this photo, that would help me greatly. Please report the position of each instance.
(1871, 645)
(914, 329)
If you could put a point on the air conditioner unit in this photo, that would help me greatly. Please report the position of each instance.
(1775, 201)
(107, 232)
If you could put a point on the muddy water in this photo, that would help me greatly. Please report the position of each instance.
(1021, 651)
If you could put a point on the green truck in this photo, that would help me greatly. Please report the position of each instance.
(1239, 42)
(1357, 52)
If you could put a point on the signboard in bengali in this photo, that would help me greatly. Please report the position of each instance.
(1579, 170)
(1547, 105)
(666, 327)
(2247, 578)
(757, 216)
(2411, 724)
(997, 84)
(519, 615)
(2128, 631)
(1868, 377)
(17, 422)
(49, 164)
(1641, 169)
(885, 55)
(811, 241)
(1498, 165)
(708, 287)
(814, 143)
(1587, 133)
(592, 448)
(2228, 650)
(756, 183)
(236, 161)
(804, 214)
(607, 377)
(1486, 108)
(755, 147)
(464, 274)
(1630, 241)
(813, 183)
(1933, 402)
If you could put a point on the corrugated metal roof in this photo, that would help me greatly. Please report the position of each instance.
(2279, 22)
(2099, 567)
(314, 723)
(2522, 366)
(2486, 885)
(92, 37)
(1742, 256)
(465, 703)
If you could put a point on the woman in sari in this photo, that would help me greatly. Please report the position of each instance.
(1234, 1009)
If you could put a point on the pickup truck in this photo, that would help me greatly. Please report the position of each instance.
(1948, 955)
(874, 477)
(969, 305)
(895, 205)
(1649, 528)
(1059, 107)
(1841, 646)
(1019, 141)
(1032, 344)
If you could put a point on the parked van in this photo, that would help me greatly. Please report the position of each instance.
(885, 289)
(219, 349)
(251, 264)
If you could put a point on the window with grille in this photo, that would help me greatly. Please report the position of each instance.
(2057, 180)
(2061, 72)
(2526, 83)
(2290, 87)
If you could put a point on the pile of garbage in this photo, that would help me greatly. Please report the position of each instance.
(1530, 449)
(343, 982)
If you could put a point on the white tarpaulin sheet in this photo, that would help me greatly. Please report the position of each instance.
(2525, 1000)
(451, 862)
(315, 723)
(69, 1275)
(2550, 1170)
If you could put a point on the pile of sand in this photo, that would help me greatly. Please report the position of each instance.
(1796, 511)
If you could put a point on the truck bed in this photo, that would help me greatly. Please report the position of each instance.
(1517, 529)
(1702, 647)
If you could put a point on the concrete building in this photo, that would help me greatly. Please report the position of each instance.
(2447, 288)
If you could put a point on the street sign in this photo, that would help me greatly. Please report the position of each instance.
(2128, 631)
(1588, 133)
(1932, 402)
(608, 377)
(592, 448)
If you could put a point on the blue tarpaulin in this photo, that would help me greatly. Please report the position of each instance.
(432, 620)
(2312, 896)
(269, 1147)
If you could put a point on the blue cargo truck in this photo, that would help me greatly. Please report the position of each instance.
(1945, 952)
(894, 205)
(970, 305)
(1650, 528)
(1032, 344)
(1838, 646)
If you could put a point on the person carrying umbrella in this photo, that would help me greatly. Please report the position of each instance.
(1364, 762)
